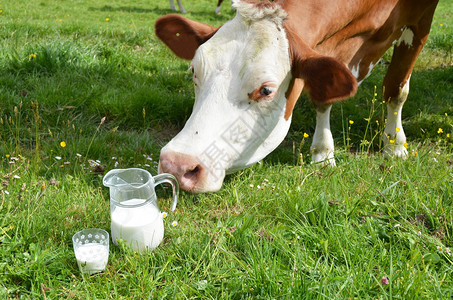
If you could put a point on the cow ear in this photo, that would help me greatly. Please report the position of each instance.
(326, 79)
(181, 35)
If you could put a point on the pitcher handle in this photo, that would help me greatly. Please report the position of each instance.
(168, 178)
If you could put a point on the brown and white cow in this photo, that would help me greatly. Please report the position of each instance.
(249, 73)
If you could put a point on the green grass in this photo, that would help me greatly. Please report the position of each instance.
(306, 232)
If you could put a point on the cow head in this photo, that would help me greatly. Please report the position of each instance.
(248, 75)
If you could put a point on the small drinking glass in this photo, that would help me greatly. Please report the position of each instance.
(91, 248)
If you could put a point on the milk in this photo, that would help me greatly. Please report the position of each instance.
(92, 257)
(141, 227)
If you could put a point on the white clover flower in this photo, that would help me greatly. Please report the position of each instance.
(93, 163)
(16, 177)
(58, 157)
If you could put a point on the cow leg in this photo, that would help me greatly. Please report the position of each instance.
(173, 7)
(181, 8)
(394, 138)
(396, 82)
(217, 10)
(322, 147)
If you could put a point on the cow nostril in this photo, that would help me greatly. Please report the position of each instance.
(194, 173)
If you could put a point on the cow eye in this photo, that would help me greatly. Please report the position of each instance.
(264, 92)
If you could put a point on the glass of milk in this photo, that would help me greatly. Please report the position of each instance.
(91, 248)
(134, 211)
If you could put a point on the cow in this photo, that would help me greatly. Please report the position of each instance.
(249, 73)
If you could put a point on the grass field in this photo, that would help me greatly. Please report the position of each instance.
(85, 86)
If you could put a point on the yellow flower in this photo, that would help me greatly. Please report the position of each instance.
(395, 113)
(448, 135)
(63, 144)
(7, 155)
(392, 141)
(405, 145)
(107, 19)
(351, 122)
(439, 131)
(174, 223)
(164, 214)
(32, 56)
(306, 135)
(441, 25)
(398, 129)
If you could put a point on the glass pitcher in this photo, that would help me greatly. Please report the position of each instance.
(134, 211)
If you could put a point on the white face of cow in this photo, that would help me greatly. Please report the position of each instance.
(241, 76)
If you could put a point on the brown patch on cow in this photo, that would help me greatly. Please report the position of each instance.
(292, 95)
(327, 80)
(181, 35)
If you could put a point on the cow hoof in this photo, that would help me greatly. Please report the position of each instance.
(395, 151)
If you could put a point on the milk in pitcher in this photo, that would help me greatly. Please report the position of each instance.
(140, 227)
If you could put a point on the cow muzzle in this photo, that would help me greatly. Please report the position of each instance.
(192, 175)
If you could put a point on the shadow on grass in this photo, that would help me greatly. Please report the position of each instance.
(200, 14)
(130, 9)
